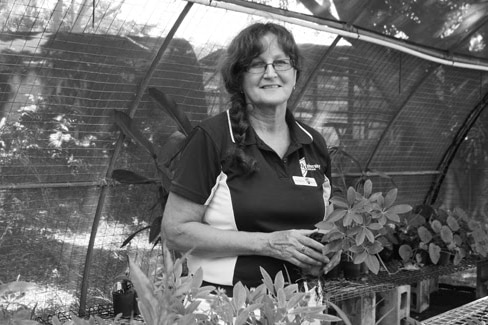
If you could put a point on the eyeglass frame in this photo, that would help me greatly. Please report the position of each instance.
(264, 66)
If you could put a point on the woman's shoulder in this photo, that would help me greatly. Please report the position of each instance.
(316, 135)
(215, 122)
(216, 128)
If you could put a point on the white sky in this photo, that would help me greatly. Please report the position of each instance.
(204, 24)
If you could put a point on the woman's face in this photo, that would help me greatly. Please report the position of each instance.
(270, 88)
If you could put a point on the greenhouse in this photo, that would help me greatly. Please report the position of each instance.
(97, 96)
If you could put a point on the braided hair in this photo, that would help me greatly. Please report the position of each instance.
(245, 47)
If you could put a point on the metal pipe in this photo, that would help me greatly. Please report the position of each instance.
(346, 30)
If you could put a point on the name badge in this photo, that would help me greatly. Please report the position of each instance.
(304, 181)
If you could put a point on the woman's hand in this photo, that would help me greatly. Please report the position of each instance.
(296, 247)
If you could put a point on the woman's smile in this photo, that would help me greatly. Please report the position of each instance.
(271, 87)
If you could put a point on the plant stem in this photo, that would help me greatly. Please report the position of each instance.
(383, 263)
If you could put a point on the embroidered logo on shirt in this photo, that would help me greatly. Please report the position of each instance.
(305, 168)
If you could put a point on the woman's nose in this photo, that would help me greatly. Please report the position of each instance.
(270, 70)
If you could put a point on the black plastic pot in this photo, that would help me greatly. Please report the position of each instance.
(351, 271)
(124, 299)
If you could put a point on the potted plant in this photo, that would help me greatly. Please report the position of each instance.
(354, 227)
(440, 237)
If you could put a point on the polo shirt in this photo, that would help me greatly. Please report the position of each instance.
(284, 193)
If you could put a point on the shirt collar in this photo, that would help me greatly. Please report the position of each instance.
(298, 133)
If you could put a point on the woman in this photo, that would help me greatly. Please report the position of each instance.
(252, 181)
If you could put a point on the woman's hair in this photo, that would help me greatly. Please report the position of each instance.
(244, 48)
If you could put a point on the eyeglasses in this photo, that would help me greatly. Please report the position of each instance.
(278, 65)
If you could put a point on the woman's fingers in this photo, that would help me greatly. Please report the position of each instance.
(298, 248)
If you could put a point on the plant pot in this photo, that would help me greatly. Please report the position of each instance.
(124, 299)
(334, 273)
(351, 271)
(445, 259)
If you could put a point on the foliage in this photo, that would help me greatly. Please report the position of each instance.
(354, 226)
(164, 166)
(341, 158)
(441, 232)
(177, 299)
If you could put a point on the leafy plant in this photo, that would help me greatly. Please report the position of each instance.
(441, 232)
(176, 299)
(356, 223)
(164, 161)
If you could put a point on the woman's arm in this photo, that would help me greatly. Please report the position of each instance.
(183, 229)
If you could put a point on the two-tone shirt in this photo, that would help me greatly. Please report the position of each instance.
(284, 193)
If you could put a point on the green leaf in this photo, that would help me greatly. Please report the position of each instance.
(339, 202)
(168, 104)
(295, 300)
(460, 213)
(332, 246)
(446, 235)
(405, 252)
(128, 128)
(424, 234)
(369, 235)
(374, 248)
(267, 280)
(128, 177)
(340, 312)
(361, 257)
(333, 235)
(238, 296)
(375, 226)
(458, 240)
(155, 229)
(197, 279)
(192, 307)
(280, 293)
(368, 188)
(457, 258)
(390, 197)
(351, 196)
(347, 221)
(392, 216)
(400, 208)
(148, 303)
(452, 223)
(358, 218)
(434, 253)
(171, 148)
(279, 282)
(336, 215)
(242, 317)
(372, 263)
(436, 226)
(131, 236)
(360, 237)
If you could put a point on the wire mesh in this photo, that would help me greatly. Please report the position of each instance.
(66, 66)
(475, 312)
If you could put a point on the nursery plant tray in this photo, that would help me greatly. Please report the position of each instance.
(475, 312)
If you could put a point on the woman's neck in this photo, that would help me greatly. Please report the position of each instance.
(271, 127)
(272, 121)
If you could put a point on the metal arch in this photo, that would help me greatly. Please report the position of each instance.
(314, 72)
(400, 109)
(453, 148)
(118, 147)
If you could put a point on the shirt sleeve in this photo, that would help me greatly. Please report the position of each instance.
(198, 167)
